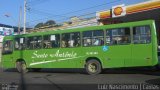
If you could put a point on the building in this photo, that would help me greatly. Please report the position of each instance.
(74, 22)
(137, 12)
(78, 22)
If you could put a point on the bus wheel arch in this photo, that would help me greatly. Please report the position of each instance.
(21, 66)
(93, 65)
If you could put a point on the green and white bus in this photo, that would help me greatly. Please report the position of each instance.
(132, 44)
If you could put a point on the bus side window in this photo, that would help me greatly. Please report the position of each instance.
(141, 35)
(108, 37)
(19, 43)
(74, 39)
(55, 40)
(51, 41)
(126, 37)
(46, 41)
(29, 42)
(7, 47)
(98, 38)
(87, 38)
(37, 42)
(34, 42)
(118, 36)
(93, 38)
(70, 39)
(65, 39)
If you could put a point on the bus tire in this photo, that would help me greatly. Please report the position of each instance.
(158, 67)
(21, 66)
(93, 67)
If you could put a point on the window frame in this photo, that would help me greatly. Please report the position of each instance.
(24, 42)
(8, 51)
(141, 34)
(111, 36)
(50, 41)
(41, 47)
(70, 38)
(93, 37)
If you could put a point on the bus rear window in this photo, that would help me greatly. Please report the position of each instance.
(141, 35)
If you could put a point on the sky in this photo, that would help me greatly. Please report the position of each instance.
(58, 10)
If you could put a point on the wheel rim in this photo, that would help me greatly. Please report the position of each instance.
(23, 67)
(18, 66)
(92, 67)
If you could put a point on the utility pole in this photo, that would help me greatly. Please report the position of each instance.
(24, 27)
(19, 22)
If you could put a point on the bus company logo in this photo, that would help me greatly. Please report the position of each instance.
(58, 53)
(61, 56)
(118, 11)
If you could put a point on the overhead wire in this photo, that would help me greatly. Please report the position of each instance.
(64, 14)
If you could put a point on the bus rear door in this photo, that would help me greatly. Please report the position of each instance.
(142, 46)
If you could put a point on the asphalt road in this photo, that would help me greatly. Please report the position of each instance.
(78, 80)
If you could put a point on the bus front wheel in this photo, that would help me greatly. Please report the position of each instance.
(93, 67)
(21, 66)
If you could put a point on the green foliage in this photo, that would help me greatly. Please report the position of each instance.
(39, 25)
(50, 22)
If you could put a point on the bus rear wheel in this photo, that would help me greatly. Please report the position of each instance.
(21, 66)
(158, 67)
(93, 67)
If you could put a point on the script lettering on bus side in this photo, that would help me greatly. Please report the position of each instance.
(72, 54)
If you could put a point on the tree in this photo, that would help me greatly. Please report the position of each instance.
(39, 25)
(50, 22)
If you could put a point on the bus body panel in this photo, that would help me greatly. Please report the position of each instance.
(129, 55)
(154, 45)
(142, 55)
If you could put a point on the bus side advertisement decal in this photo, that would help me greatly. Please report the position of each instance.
(58, 60)
(62, 55)
(57, 54)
